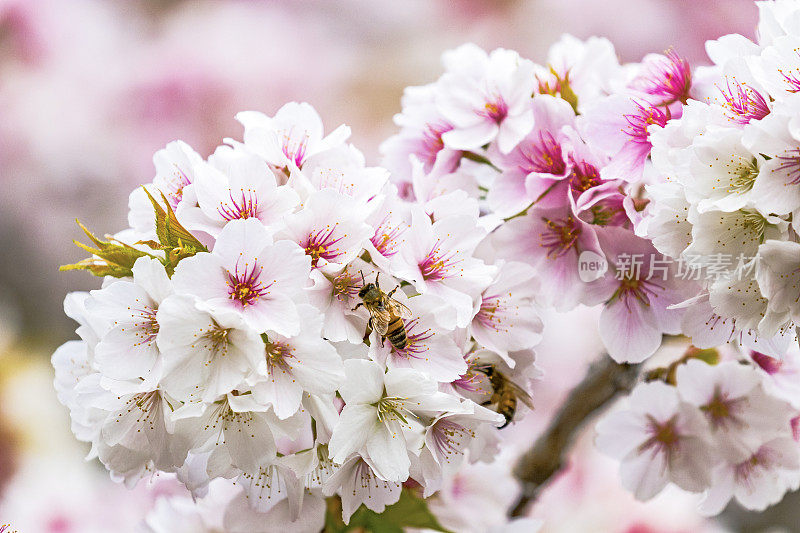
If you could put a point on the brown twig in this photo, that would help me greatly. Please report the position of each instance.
(603, 382)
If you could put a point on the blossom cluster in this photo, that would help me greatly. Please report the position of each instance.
(233, 337)
(722, 183)
(729, 171)
(727, 431)
(555, 155)
(583, 164)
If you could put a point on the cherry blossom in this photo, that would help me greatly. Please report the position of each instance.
(251, 334)
(659, 439)
(358, 484)
(205, 356)
(128, 348)
(292, 366)
(249, 275)
(639, 292)
(378, 407)
(485, 97)
(622, 125)
(330, 229)
(438, 260)
(245, 189)
(507, 319)
(292, 136)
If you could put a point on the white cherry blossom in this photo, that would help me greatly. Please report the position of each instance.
(249, 275)
(293, 135)
(378, 408)
(205, 356)
(128, 349)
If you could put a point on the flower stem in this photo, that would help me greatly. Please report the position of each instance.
(603, 382)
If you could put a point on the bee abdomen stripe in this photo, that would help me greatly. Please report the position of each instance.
(395, 325)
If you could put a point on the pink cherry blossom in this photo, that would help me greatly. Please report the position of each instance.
(659, 440)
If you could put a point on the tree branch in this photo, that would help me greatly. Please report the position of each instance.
(603, 382)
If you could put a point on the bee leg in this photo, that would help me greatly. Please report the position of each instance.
(504, 425)
(357, 306)
(378, 285)
(487, 402)
(392, 291)
(368, 331)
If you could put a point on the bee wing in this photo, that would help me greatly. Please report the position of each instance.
(380, 320)
(521, 393)
(399, 309)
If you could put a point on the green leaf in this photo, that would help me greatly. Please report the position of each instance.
(108, 258)
(409, 511)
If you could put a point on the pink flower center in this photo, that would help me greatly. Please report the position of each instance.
(364, 479)
(609, 212)
(721, 410)
(669, 78)
(244, 207)
(469, 381)
(792, 77)
(175, 188)
(560, 236)
(790, 163)
(438, 264)
(491, 313)
(632, 289)
(744, 102)
(544, 156)
(583, 176)
(322, 244)
(277, 355)
(449, 438)
(664, 436)
(495, 109)
(147, 327)
(386, 237)
(244, 285)
(294, 148)
(217, 337)
(346, 286)
(432, 143)
(148, 404)
(639, 121)
(763, 459)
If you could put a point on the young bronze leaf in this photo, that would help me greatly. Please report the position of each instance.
(169, 231)
(108, 258)
(180, 236)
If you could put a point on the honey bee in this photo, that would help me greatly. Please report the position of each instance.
(505, 393)
(386, 313)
